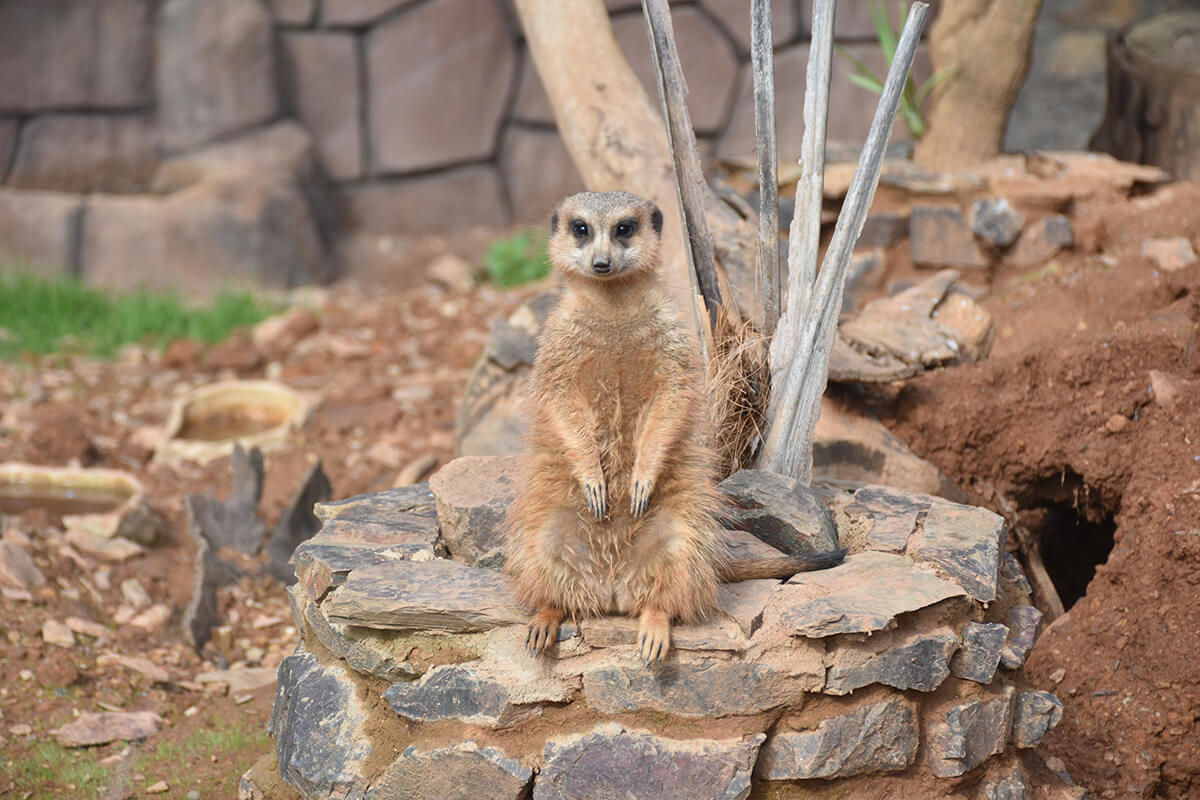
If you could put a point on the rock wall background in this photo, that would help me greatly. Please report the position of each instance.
(401, 117)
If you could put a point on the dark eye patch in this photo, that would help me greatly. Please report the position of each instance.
(580, 229)
(625, 228)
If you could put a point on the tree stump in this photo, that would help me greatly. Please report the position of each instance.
(1153, 110)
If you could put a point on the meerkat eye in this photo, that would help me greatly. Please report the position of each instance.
(625, 228)
(580, 229)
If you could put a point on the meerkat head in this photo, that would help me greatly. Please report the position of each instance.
(605, 235)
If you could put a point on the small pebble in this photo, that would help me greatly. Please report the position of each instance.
(1057, 676)
(157, 788)
(1116, 423)
(193, 795)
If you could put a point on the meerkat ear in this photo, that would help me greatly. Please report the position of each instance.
(554, 222)
(656, 219)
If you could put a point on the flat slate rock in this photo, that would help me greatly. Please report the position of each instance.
(1037, 714)
(744, 602)
(386, 507)
(965, 542)
(461, 772)
(862, 595)
(319, 726)
(892, 515)
(105, 727)
(615, 763)
(785, 515)
(472, 694)
(965, 735)
(437, 595)
(382, 654)
(919, 661)
(980, 653)
(877, 737)
(704, 688)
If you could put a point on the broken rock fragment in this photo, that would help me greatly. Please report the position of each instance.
(110, 726)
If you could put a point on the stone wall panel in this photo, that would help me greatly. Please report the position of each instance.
(321, 72)
(293, 12)
(439, 78)
(539, 172)
(356, 13)
(216, 70)
(84, 153)
(76, 54)
(710, 65)
(434, 204)
(39, 229)
(8, 145)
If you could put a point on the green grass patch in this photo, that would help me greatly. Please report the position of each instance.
(45, 316)
(47, 765)
(521, 259)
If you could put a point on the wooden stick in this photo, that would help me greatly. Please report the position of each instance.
(689, 178)
(1044, 590)
(763, 61)
(788, 446)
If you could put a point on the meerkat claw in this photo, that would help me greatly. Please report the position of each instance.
(640, 499)
(596, 501)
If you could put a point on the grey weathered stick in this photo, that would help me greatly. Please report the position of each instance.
(689, 178)
(762, 59)
(788, 447)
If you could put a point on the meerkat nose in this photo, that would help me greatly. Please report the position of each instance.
(601, 265)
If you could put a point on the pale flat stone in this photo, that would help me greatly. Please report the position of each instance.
(980, 653)
(111, 726)
(940, 237)
(240, 679)
(322, 72)
(615, 762)
(877, 737)
(143, 666)
(473, 495)
(745, 601)
(965, 735)
(704, 687)
(87, 628)
(429, 204)
(427, 595)
(56, 633)
(1169, 254)
(720, 633)
(410, 61)
(41, 228)
(1041, 241)
(319, 723)
(459, 772)
(862, 595)
(103, 55)
(215, 70)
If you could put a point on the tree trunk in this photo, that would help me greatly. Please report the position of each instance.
(1153, 111)
(986, 44)
(616, 138)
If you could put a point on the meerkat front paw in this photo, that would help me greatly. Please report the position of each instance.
(654, 636)
(639, 499)
(542, 631)
(597, 498)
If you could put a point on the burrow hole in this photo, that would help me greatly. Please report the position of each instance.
(1073, 523)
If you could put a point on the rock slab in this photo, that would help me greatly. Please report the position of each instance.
(1037, 714)
(919, 661)
(615, 762)
(967, 734)
(461, 772)
(473, 494)
(980, 653)
(878, 737)
(110, 726)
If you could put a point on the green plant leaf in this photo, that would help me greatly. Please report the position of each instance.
(870, 84)
(931, 82)
(884, 30)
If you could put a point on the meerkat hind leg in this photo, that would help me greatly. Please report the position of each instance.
(654, 635)
(543, 630)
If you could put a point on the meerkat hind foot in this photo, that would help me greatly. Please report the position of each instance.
(654, 636)
(543, 630)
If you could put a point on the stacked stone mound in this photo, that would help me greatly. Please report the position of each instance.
(896, 674)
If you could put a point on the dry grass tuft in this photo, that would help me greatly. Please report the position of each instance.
(738, 383)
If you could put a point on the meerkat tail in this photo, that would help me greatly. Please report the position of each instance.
(745, 569)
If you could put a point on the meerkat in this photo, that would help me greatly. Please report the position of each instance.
(620, 509)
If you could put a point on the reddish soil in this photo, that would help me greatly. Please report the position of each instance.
(1062, 422)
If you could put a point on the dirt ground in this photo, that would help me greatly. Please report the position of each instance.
(1060, 425)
